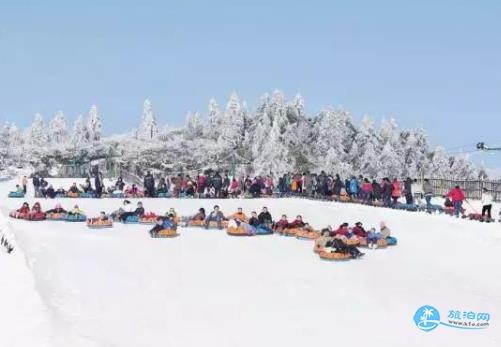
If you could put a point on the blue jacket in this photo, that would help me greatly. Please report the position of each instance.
(354, 186)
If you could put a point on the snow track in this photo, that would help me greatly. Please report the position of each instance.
(118, 287)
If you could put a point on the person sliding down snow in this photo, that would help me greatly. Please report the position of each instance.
(343, 230)
(163, 223)
(199, 216)
(139, 211)
(265, 218)
(324, 238)
(57, 209)
(19, 189)
(359, 230)
(373, 236)
(341, 247)
(74, 189)
(239, 215)
(25, 208)
(76, 211)
(215, 216)
(298, 223)
(256, 223)
(282, 224)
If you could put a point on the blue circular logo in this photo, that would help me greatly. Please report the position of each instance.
(427, 318)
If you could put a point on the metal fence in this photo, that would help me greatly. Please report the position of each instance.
(472, 189)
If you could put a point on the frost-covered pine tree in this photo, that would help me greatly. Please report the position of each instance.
(365, 151)
(93, 130)
(213, 128)
(57, 130)
(440, 164)
(232, 126)
(148, 129)
(79, 135)
(194, 126)
(36, 135)
(462, 168)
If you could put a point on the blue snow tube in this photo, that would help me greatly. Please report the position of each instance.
(75, 218)
(392, 241)
(263, 230)
(117, 195)
(131, 220)
(16, 195)
(87, 195)
(164, 195)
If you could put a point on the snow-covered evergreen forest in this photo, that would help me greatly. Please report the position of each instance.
(277, 136)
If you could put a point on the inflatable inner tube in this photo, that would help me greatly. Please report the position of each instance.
(165, 233)
(75, 218)
(95, 223)
(307, 235)
(335, 256)
(237, 231)
(56, 216)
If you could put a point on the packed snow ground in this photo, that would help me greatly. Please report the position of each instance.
(66, 285)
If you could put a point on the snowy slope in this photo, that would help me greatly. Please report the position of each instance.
(118, 287)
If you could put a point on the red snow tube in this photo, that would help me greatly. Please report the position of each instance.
(150, 218)
(334, 255)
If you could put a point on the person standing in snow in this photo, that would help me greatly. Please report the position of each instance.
(417, 190)
(354, 187)
(457, 196)
(408, 191)
(428, 193)
(149, 184)
(487, 200)
(396, 191)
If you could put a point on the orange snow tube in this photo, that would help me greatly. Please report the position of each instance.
(344, 198)
(382, 243)
(318, 249)
(73, 195)
(307, 235)
(334, 255)
(195, 223)
(290, 232)
(352, 241)
(95, 223)
(237, 231)
(166, 233)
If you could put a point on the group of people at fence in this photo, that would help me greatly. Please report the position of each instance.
(330, 243)
(213, 184)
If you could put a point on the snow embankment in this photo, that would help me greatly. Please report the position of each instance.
(24, 319)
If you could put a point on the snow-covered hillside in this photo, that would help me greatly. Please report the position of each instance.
(118, 287)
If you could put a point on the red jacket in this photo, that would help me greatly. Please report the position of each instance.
(367, 187)
(456, 194)
(359, 231)
(296, 224)
(342, 231)
(24, 210)
(396, 190)
(282, 224)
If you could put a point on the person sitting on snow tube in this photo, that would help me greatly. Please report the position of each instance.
(343, 230)
(57, 209)
(200, 215)
(76, 211)
(21, 212)
(239, 215)
(86, 187)
(50, 192)
(161, 186)
(74, 189)
(282, 224)
(215, 216)
(359, 230)
(321, 242)
(341, 247)
(162, 224)
(58, 192)
(298, 223)
(19, 189)
(139, 211)
(265, 217)
(374, 236)
(102, 217)
(36, 212)
(261, 228)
